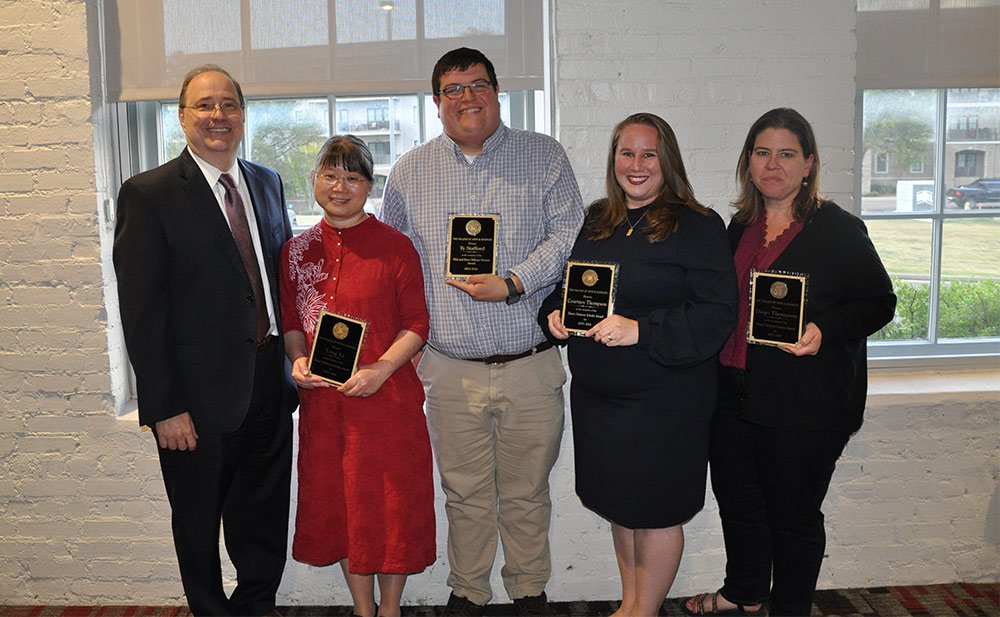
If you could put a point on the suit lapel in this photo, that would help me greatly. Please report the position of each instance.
(269, 244)
(258, 198)
(208, 212)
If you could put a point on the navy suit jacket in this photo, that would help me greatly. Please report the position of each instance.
(184, 294)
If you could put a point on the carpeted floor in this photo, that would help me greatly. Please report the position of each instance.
(953, 600)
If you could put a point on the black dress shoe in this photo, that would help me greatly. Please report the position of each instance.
(530, 606)
(463, 607)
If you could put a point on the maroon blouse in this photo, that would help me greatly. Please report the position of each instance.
(751, 254)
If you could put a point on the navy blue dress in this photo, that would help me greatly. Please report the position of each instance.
(641, 413)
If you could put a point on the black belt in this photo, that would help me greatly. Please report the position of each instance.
(266, 342)
(502, 358)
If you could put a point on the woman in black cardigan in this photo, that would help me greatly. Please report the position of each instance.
(785, 413)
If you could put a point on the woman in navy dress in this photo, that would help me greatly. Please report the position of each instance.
(644, 379)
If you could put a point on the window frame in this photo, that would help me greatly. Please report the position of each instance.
(934, 351)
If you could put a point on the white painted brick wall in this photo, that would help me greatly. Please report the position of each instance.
(83, 517)
(709, 68)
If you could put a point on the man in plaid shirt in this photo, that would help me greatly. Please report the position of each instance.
(493, 383)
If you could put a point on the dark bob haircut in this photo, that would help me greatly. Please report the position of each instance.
(348, 152)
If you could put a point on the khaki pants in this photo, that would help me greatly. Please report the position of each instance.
(496, 431)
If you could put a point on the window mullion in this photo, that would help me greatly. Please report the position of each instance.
(935, 282)
(331, 108)
(937, 240)
(392, 133)
(422, 111)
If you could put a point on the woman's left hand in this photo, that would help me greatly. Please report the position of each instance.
(367, 380)
(615, 331)
(808, 345)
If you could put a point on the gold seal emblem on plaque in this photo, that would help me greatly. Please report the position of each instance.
(473, 227)
(779, 289)
(589, 277)
(340, 330)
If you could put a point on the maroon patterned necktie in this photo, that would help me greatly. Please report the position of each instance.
(236, 213)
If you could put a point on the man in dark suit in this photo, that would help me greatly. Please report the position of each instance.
(196, 251)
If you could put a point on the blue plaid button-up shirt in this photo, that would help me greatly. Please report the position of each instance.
(526, 180)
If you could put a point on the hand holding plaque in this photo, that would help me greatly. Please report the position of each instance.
(336, 347)
(472, 245)
(777, 307)
(589, 294)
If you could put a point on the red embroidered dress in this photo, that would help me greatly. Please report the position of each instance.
(364, 464)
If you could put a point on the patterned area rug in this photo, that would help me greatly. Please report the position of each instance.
(953, 600)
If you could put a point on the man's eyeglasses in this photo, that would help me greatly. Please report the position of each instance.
(228, 108)
(455, 91)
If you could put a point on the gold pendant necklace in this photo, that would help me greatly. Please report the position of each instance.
(631, 225)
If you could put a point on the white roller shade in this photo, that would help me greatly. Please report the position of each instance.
(315, 47)
(928, 44)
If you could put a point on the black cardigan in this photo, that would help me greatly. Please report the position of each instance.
(849, 297)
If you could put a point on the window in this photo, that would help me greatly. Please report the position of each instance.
(963, 127)
(378, 117)
(969, 163)
(310, 69)
(881, 163)
(938, 234)
(286, 134)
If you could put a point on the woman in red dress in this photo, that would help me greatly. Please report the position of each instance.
(366, 496)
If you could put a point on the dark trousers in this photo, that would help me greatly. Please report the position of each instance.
(243, 479)
(770, 485)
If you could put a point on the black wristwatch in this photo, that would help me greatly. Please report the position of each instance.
(513, 295)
